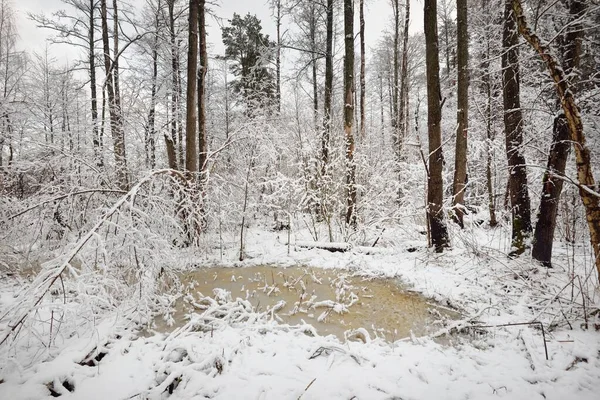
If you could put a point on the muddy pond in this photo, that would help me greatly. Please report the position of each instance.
(333, 301)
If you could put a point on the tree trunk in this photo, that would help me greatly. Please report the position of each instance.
(551, 189)
(94, 101)
(349, 111)
(363, 84)
(403, 106)
(587, 185)
(559, 149)
(396, 69)
(151, 140)
(202, 138)
(175, 93)
(191, 150)
(513, 126)
(278, 56)
(435, 189)
(462, 113)
(116, 117)
(313, 45)
(486, 82)
(328, 90)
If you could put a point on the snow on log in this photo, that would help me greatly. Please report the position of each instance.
(329, 246)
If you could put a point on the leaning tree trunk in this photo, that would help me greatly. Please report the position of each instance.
(435, 186)
(462, 114)
(552, 182)
(349, 111)
(513, 126)
(588, 190)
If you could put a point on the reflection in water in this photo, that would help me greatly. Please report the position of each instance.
(333, 301)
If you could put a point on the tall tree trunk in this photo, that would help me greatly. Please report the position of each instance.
(94, 100)
(202, 138)
(513, 127)
(313, 47)
(278, 56)
(403, 106)
(435, 189)
(396, 70)
(327, 99)
(462, 114)
(191, 149)
(151, 142)
(363, 84)
(486, 82)
(116, 117)
(552, 183)
(176, 162)
(349, 111)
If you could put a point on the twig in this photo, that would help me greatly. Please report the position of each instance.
(309, 385)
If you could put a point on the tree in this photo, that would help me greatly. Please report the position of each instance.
(327, 98)
(363, 84)
(403, 106)
(191, 151)
(396, 72)
(448, 28)
(513, 129)
(349, 111)
(174, 142)
(79, 30)
(552, 182)
(202, 139)
(150, 139)
(250, 51)
(588, 189)
(435, 189)
(111, 67)
(462, 113)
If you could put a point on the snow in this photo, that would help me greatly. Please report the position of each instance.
(231, 352)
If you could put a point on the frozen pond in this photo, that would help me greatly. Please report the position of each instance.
(333, 301)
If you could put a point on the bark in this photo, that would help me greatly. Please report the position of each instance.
(513, 126)
(435, 213)
(116, 116)
(363, 84)
(565, 90)
(462, 113)
(403, 106)
(349, 111)
(191, 150)
(327, 99)
(559, 149)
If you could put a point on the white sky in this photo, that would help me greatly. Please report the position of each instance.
(378, 15)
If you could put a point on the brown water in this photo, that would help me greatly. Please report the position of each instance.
(333, 301)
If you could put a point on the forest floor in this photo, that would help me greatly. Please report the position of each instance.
(232, 352)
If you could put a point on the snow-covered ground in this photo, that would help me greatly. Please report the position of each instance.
(232, 352)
